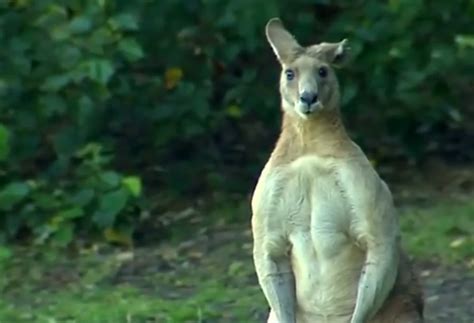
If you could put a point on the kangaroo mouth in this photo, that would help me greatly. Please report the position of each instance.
(305, 110)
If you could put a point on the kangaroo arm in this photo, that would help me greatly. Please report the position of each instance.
(274, 272)
(279, 288)
(376, 280)
(375, 226)
(379, 232)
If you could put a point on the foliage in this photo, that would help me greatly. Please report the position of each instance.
(98, 96)
(59, 67)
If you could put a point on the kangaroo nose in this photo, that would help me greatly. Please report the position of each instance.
(308, 97)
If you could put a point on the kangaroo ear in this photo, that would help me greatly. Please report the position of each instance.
(336, 54)
(283, 43)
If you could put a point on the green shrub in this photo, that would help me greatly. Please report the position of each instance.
(61, 65)
(93, 91)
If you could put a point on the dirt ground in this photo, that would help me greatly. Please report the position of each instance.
(449, 294)
(449, 289)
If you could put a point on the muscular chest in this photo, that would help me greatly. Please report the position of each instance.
(311, 190)
(309, 204)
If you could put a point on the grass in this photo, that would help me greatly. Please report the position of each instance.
(444, 232)
(126, 304)
(183, 281)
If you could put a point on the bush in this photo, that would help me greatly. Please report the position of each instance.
(62, 64)
(97, 96)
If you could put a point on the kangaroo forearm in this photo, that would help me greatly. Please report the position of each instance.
(280, 293)
(376, 281)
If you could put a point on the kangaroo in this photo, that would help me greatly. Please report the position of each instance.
(325, 230)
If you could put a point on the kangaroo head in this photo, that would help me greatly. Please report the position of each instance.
(308, 83)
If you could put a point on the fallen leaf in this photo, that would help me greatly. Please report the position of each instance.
(179, 283)
(470, 263)
(112, 235)
(124, 256)
(234, 111)
(168, 253)
(195, 254)
(456, 243)
(425, 273)
(172, 77)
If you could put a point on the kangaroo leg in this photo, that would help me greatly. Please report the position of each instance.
(399, 310)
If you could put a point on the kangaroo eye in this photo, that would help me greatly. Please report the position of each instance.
(323, 71)
(290, 74)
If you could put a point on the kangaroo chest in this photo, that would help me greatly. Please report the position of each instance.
(312, 202)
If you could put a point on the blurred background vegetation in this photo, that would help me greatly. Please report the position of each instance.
(111, 111)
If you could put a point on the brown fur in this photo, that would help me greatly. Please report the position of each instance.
(324, 136)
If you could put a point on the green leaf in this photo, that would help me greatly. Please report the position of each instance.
(133, 184)
(60, 33)
(66, 142)
(64, 234)
(110, 206)
(69, 214)
(465, 41)
(111, 179)
(51, 16)
(80, 25)
(12, 194)
(99, 70)
(45, 201)
(52, 104)
(124, 21)
(86, 115)
(83, 198)
(131, 49)
(56, 82)
(234, 111)
(4, 142)
(69, 56)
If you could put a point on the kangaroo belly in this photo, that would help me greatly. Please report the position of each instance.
(325, 260)
(325, 286)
